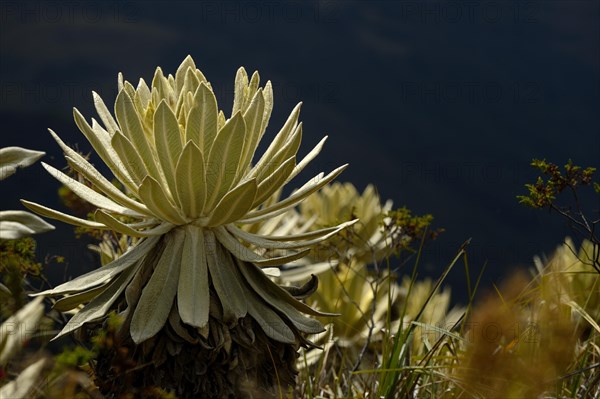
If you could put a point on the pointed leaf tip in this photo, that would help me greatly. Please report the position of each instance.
(12, 158)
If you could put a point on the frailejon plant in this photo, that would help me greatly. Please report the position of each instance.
(363, 298)
(192, 293)
(379, 232)
(340, 260)
(367, 241)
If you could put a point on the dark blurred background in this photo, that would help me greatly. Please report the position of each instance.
(440, 104)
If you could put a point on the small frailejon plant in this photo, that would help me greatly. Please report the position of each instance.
(363, 298)
(200, 313)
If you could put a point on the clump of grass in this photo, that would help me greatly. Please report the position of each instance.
(419, 355)
(411, 350)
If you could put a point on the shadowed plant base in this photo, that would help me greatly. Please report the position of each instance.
(231, 362)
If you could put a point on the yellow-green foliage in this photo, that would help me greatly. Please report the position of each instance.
(366, 241)
(379, 232)
(361, 299)
(436, 316)
(572, 271)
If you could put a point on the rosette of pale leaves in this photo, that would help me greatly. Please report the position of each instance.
(370, 239)
(192, 183)
(364, 301)
(367, 241)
